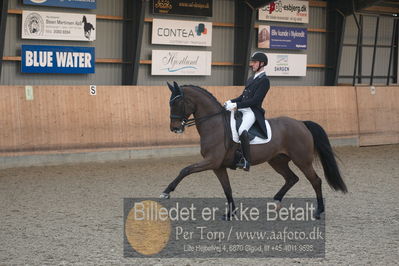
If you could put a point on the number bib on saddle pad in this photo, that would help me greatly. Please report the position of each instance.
(256, 135)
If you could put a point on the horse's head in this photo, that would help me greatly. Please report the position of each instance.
(84, 19)
(180, 108)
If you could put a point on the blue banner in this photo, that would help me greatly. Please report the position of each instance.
(275, 37)
(57, 59)
(83, 4)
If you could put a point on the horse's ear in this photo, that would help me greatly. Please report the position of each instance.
(177, 88)
(170, 87)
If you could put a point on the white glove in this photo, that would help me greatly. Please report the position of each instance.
(226, 102)
(230, 106)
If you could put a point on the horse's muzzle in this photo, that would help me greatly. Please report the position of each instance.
(177, 127)
(177, 130)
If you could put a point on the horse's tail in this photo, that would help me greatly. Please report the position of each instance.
(327, 156)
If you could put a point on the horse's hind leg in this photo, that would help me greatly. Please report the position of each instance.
(315, 180)
(280, 165)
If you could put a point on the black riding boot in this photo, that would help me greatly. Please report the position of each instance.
(245, 161)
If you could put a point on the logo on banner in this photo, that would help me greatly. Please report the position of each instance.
(58, 26)
(164, 4)
(286, 10)
(278, 6)
(87, 26)
(282, 64)
(293, 65)
(173, 64)
(57, 59)
(84, 4)
(34, 25)
(201, 29)
(180, 32)
(195, 63)
(202, 8)
(276, 37)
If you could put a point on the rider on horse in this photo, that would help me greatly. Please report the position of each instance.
(249, 103)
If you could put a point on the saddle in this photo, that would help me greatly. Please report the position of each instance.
(255, 134)
(254, 131)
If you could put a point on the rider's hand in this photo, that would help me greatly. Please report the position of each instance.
(230, 106)
(226, 102)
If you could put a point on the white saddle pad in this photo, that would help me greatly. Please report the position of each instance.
(256, 140)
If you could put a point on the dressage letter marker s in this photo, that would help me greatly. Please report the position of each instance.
(93, 90)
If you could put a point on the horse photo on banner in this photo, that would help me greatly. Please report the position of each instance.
(58, 26)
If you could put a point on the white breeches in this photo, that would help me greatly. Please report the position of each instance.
(248, 119)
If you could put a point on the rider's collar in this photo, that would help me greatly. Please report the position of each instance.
(257, 74)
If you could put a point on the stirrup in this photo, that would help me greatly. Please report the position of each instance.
(243, 164)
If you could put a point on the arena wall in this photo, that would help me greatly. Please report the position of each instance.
(61, 118)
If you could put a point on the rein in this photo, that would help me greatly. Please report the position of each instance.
(196, 121)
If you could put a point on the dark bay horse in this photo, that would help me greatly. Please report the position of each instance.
(292, 140)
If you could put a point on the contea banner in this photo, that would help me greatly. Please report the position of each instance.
(286, 10)
(180, 32)
(58, 26)
(181, 63)
(57, 59)
(286, 64)
(275, 37)
(84, 4)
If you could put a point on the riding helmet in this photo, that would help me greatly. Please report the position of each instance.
(258, 56)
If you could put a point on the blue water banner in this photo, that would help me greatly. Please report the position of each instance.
(83, 4)
(274, 37)
(57, 59)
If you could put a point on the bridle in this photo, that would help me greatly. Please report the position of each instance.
(185, 121)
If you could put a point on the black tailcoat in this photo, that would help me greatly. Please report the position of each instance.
(252, 96)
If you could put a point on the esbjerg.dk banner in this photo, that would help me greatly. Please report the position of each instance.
(286, 64)
(286, 10)
(180, 32)
(181, 63)
(57, 59)
(58, 26)
(275, 37)
(83, 4)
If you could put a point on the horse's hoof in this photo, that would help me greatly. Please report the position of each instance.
(318, 215)
(226, 217)
(278, 205)
(164, 196)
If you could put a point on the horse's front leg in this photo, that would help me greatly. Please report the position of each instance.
(194, 168)
(223, 177)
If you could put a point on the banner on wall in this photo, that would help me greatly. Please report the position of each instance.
(286, 10)
(83, 4)
(58, 26)
(57, 59)
(181, 63)
(180, 32)
(286, 65)
(201, 8)
(275, 37)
